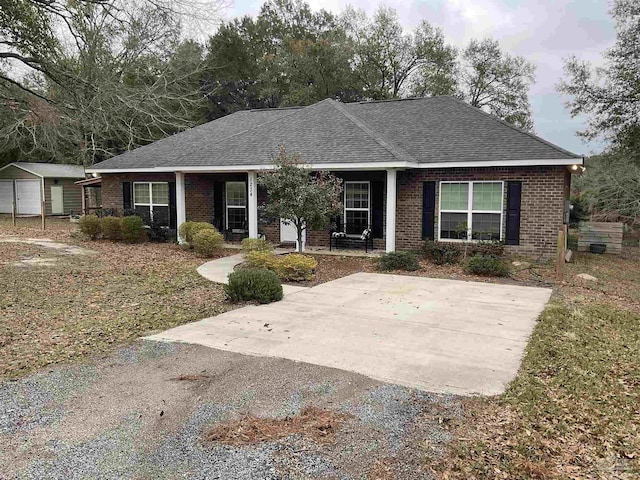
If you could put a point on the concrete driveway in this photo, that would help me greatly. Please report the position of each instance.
(443, 336)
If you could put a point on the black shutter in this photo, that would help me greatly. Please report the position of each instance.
(514, 191)
(127, 197)
(218, 205)
(428, 210)
(377, 209)
(173, 216)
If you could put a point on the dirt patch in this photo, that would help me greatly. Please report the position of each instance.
(314, 423)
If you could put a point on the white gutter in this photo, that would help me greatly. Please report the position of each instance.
(347, 166)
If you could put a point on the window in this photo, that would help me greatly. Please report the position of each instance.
(151, 201)
(471, 210)
(357, 210)
(236, 194)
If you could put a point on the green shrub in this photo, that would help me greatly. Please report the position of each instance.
(262, 286)
(485, 248)
(296, 267)
(188, 230)
(133, 229)
(90, 226)
(259, 259)
(111, 228)
(489, 265)
(441, 253)
(399, 261)
(207, 242)
(256, 245)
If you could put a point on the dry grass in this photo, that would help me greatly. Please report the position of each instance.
(314, 423)
(88, 304)
(574, 409)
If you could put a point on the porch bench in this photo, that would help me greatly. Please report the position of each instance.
(338, 238)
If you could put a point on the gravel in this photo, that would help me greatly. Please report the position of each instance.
(185, 456)
(144, 350)
(126, 416)
(389, 407)
(37, 400)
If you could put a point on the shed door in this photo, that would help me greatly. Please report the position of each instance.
(6, 196)
(28, 197)
(57, 200)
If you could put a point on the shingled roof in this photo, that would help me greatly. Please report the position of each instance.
(410, 132)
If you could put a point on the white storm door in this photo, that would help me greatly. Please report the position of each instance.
(6, 196)
(28, 198)
(57, 200)
(289, 233)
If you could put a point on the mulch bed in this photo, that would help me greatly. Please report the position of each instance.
(314, 423)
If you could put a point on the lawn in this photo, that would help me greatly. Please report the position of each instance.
(574, 409)
(88, 304)
(572, 412)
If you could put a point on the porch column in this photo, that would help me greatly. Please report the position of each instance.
(391, 210)
(252, 213)
(181, 213)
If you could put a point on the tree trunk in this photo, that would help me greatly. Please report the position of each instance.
(299, 245)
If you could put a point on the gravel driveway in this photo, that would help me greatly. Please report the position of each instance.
(128, 416)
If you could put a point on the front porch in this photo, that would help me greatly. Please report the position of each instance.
(231, 202)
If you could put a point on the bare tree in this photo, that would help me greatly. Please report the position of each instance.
(497, 82)
(114, 73)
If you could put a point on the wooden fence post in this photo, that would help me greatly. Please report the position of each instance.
(562, 250)
(42, 214)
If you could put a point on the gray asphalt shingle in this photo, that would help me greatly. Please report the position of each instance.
(425, 130)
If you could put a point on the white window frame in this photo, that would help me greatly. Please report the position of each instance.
(151, 203)
(226, 201)
(469, 211)
(368, 210)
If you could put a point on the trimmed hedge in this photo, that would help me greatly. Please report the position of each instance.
(111, 228)
(262, 286)
(256, 245)
(261, 259)
(188, 230)
(296, 267)
(489, 265)
(440, 253)
(207, 242)
(495, 249)
(90, 226)
(293, 267)
(133, 229)
(399, 261)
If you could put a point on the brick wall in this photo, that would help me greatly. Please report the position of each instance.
(543, 195)
(198, 192)
(544, 190)
(198, 197)
(112, 186)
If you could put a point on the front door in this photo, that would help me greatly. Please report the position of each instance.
(28, 197)
(57, 200)
(289, 234)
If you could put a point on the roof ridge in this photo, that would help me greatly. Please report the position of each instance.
(517, 129)
(396, 151)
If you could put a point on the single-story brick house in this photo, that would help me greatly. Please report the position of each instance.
(413, 169)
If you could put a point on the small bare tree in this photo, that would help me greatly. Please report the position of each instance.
(299, 196)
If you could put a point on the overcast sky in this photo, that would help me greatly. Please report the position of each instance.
(543, 31)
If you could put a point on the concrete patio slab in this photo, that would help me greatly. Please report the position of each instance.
(437, 335)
